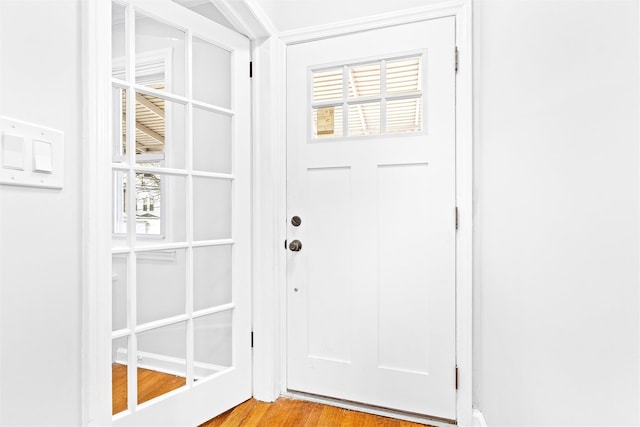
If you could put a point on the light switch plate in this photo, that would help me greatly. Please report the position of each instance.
(41, 159)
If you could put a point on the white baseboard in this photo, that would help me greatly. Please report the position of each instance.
(168, 365)
(478, 419)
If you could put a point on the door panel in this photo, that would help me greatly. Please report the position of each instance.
(371, 172)
(181, 195)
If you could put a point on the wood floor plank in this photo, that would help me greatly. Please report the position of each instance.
(255, 416)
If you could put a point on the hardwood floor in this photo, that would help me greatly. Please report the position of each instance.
(296, 413)
(281, 413)
(150, 384)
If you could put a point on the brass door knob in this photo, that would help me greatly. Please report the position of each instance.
(295, 246)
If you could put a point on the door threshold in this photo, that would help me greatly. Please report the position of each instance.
(371, 409)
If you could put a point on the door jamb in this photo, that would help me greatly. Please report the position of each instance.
(270, 204)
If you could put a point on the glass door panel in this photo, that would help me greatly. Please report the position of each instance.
(180, 300)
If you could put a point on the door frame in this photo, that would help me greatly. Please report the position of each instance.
(269, 315)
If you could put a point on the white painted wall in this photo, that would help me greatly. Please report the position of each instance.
(40, 230)
(556, 255)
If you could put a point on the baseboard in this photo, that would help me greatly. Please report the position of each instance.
(478, 419)
(167, 364)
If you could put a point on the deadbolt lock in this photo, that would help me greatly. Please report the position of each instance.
(295, 246)
(296, 221)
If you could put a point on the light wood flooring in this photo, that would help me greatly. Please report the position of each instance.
(281, 413)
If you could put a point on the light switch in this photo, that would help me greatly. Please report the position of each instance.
(42, 156)
(12, 151)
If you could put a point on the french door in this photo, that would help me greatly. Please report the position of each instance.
(180, 204)
(371, 218)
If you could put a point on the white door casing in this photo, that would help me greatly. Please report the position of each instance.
(371, 296)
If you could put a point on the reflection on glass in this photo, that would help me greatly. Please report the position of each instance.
(119, 103)
(211, 276)
(213, 339)
(161, 355)
(211, 208)
(119, 291)
(211, 73)
(364, 119)
(211, 141)
(119, 377)
(160, 207)
(327, 85)
(327, 122)
(118, 40)
(119, 208)
(160, 132)
(160, 55)
(404, 115)
(364, 80)
(404, 76)
(161, 284)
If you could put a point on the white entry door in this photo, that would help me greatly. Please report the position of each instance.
(180, 202)
(371, 250)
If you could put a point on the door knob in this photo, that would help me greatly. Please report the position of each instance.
(296, 221)
(295, 246)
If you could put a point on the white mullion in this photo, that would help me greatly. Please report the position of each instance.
(190, 350)
(345, 104)
(383, 95)
(161, 247)
(216, 175)
(214, 310)
(206, 243)
(157, 324)
(132, 360)
(160, 170)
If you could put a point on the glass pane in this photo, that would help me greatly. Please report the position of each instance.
(119, 291)
(211, 141)
(119, 380)
(364, 119)
(211, 276)
(327, 85)
(213, 339)
(118, 40)
(211, 208)
(161, 361)
(404, 76)
(160, 55)
(364, 80)
(161, 284)
(160, 208)
(404, 115)
(211, 73)
(119, 103)
(327, 122)
(119, 209)
(160, 132)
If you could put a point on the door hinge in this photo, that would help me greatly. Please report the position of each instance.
(457, 218)
(456, 377)
(250, 68)
(457, 59)
(251, 339)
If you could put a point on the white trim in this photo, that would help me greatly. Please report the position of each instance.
(269, 166)
(96, 233)
(245, 18)
(478, 419)
(407, 16)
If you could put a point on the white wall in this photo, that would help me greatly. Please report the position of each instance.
(556, 255)
(40, 230)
